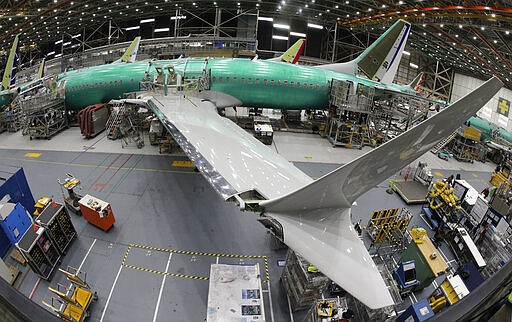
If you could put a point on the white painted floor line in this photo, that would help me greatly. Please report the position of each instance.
(290, 308)
(414, 296)
(410, 298)
(87, 254)
(443, 254)
(426, 222)
(162, 288)
(270, 301)
(35, 287)
(110, 294)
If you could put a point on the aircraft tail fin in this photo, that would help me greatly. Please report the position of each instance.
(12, 64)
(131, 53)
(293, 53)
(40, 71)
(417, 81)
(380, 60)
(341, 187)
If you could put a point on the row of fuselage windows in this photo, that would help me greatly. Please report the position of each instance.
(100, 84)
(250, 80)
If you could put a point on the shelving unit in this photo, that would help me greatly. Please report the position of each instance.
(58, 225)
(38, 249)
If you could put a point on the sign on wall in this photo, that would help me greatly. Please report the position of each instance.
(503, 106)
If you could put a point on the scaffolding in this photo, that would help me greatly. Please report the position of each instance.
(126, 123)
(41, 116)
(387, 229)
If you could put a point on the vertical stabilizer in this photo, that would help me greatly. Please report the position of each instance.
(380, 61)
(40, 72)
(293, 53)
(131, 53)
(12, 64)
(417, 81)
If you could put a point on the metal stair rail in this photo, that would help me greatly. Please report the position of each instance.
(439, 146)
(118, 112)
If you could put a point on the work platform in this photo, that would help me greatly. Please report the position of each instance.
(412, 192)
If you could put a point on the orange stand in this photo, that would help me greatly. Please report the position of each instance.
(97, 212)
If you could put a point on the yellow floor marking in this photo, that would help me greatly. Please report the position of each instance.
(438, 174)
(33, 155)
(308, 158)
(186, 164)
(474, 175)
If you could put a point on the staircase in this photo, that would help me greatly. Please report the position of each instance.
(439, 146)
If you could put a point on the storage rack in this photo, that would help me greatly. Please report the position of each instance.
(58, 225)
(38, 249)
(302, 287)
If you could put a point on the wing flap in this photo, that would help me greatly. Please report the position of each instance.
(231, 159)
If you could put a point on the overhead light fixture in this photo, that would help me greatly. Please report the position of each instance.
(413, 65)
(132, 28)
(407, 53)
(266, 18)
(161, 29)
(50, 53)
(66, 44)
(147, 20)
(58, 42)
(279, 37)
(58, 55)
(180, 17)
(281, 26)
(298, 34)
(312, 25)
(76, 36)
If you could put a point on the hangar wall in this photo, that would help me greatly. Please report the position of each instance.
(463, 84)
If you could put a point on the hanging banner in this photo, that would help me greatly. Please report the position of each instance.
(503, 106)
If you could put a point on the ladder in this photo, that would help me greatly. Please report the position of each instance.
(443, 143)
(116, 116)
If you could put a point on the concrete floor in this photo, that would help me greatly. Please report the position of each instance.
(167, 215)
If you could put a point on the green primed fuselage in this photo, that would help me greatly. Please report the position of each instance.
(260, 83)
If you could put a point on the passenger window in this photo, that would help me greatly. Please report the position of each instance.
(305, 85)
(298, 84)
(235, 79)
(272, 82)
(214, 79)
(323, 87)
(310, 85)
(242, 80)
(121, 82)
(220, 79)
(292, 84)
(265, 81)
(257, 80)
(227, 79)
(285, 83)
(132, 80)
(249, 80)
(279, 82)
(317, 86)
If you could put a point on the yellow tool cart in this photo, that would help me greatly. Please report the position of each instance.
(41, 204)
(449, 292)
(76, 298)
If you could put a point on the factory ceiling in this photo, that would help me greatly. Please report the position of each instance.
(473, 37)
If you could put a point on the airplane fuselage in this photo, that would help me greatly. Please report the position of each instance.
(260, 83)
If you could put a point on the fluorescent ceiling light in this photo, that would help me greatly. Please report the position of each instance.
(312, 25)
(407, 53)
(147, 20)
(298, 34)
(66, 44)
(58, 55)
(50, 53)
(133, 28)
(58, 42)
(413, 65)
(280, 37)
(281, 26)
(76, 36)
(178, 17)
(266, 18)
(161, 29)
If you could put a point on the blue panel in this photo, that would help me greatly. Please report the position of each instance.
(5, 244)
(14, 183)
(16, 224)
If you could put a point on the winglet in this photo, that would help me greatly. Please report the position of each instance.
(40, 72)
(417, 81)
(292, 54)
(10, 68)
(131, 53)
(380, 60)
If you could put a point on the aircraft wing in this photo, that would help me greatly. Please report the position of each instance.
(231, 159)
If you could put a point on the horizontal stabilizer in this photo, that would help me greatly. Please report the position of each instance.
(344, 185)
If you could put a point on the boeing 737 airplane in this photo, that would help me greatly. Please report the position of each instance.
(312, 217)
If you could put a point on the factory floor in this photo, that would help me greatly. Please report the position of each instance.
(171, 226)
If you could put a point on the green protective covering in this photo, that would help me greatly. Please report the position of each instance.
(488, 128)
(424, 274)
